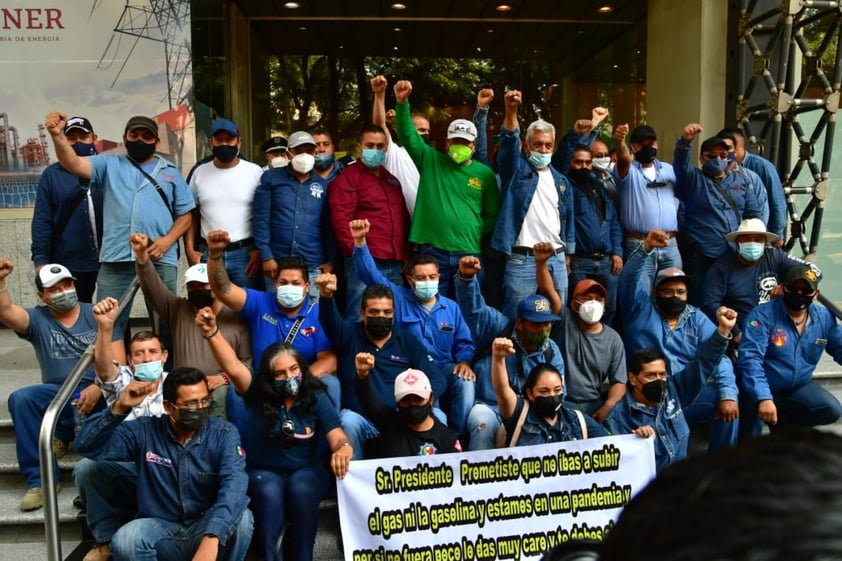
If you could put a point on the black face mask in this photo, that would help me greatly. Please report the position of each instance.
(672, 306)
(547, 405)
(83, 149)
(192, 419)
(378, 327)
(415, 414)
(426, 138)
(795, 302)
(582, 176)
(646, 155)
(655, 390)
(202, 298)
(139, 151)
(225, 153)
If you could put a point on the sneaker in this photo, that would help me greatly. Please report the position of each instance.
(60, 448)
(99, 552)
(34, 499)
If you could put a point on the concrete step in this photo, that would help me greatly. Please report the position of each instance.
(25, 527)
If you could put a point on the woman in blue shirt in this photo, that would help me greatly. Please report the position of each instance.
(539, 415)
(288, 416)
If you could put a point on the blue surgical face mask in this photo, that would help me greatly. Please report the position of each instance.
(539, 160)
(715, 166)
(373, 158)
(64, 301)
(426, 290)
(324, 161)
(289, 295)
(750, 251)
(148, 371)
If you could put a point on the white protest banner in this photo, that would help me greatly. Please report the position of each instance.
(509, 503)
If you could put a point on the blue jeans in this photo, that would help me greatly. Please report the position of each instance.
(809, 405)
(114, 279)
(700, 399)
(290, 500)
(151, 539)
(599, 270)
(519, 280)
(109, 492)
(355, 287)
(666, 257)
(448, 266)
(235, 261)
(457, 401)
(483, 423)
(27, 407)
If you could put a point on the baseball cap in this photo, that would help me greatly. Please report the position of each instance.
(412, 382)
(50, 275)
(80, 123)
(641, 133)
(588, 285)
(713, 142)
(274, 143)
(196, 273)
(462, 128)
(751, 226)
(535, 308)
(224, 125)
(141, 122)
(669, 274)
(299, 138)
(801, 273)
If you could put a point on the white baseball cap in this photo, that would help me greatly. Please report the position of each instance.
(50, 275)
(197, 273)
(412, 382)
(462, 128)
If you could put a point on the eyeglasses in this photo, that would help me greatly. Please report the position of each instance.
(798, 290)
(715, 155)
(670, 292)
(288, 430)
(196, 403)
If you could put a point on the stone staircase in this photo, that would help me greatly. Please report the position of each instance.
(22, 533)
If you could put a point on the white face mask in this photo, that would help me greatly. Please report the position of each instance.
(591, 311)
(303, 163)
(278, 162)
(602, 164)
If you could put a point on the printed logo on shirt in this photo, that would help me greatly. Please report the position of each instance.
(270, 319)
(167, 176)
(779, 338)
(765, 286)
(316, 190)
(308, 331)
(400, 359)
(154, 458)
(446, 327)
(475, 183)
(754, 323)
(427, 449)
(240, 450)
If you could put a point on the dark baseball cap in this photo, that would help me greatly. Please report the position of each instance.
(141, 122)
(713, 142)
(81, 123)
(274, 143)
(641, 133)
(801, 273)
(669, 274)
(220, 125)
(536, 308)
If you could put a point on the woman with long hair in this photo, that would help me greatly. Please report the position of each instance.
(288, 416)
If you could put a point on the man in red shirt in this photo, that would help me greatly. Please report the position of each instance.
(365, 190)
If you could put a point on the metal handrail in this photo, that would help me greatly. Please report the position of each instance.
(45, 439)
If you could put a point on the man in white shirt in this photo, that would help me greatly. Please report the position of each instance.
(224, 195)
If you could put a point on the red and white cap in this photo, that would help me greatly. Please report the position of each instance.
(412, 382)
